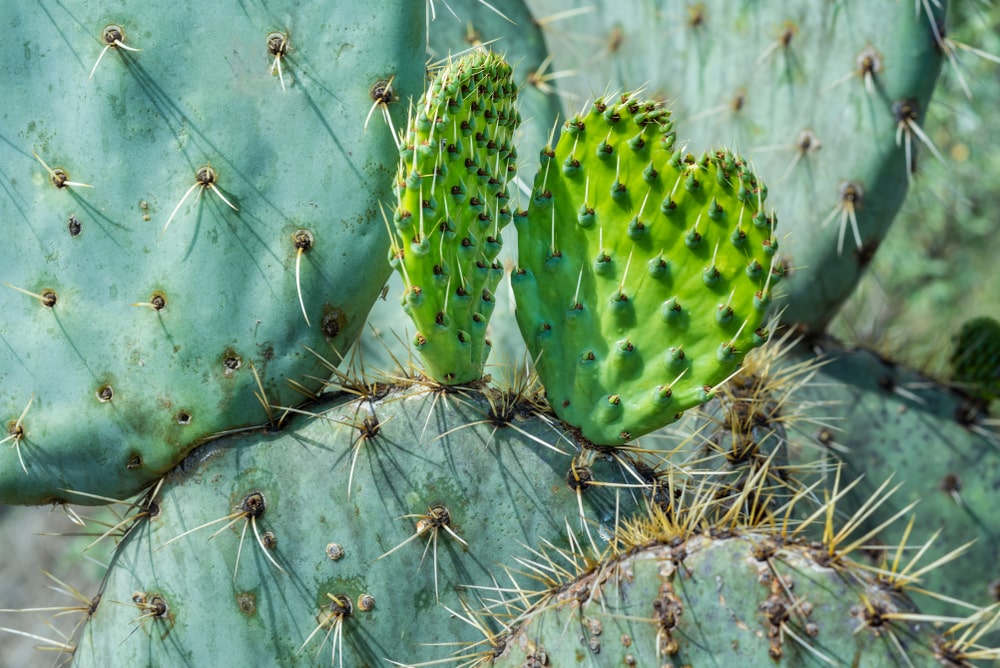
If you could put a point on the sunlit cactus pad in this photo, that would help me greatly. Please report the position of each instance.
(190, 201)
(645, 272)
(455, 163)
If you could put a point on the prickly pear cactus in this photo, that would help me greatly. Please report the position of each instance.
(882, 420)
(825, 101)
(508, 29)
(356, 537)
(743, 598)
(453, 201)
(191, 209)
(941, 254)
(644, 272)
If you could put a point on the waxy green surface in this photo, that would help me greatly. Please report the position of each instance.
(453, 201)
(644, 272)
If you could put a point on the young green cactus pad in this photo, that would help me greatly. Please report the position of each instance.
(515, 33)
(189, 208)
(356, 532)
(644, 273)
(975, 361)
(454, 166)
(822, 96)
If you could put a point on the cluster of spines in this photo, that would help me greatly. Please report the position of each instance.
(686, 513)
(455, 163)
(707, 567)
(623, 230)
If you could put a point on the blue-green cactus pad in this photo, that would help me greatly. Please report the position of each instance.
(158, 333)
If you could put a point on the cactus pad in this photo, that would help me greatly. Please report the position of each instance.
(229, 228)
(411, 498)
(737, 599)
(644, 272)
(454, 167)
